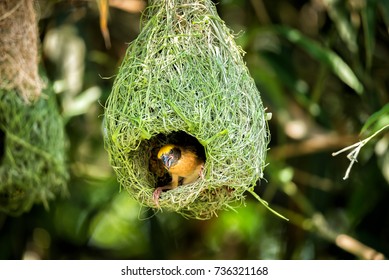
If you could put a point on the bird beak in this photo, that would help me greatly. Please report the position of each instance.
(166, 161)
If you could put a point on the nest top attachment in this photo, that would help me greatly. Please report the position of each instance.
(184, 78)
(19, 57)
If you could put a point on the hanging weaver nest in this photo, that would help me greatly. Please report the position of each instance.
(19, 49)
(183, 80)
(32, 152)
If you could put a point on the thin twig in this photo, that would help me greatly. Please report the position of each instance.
(318, 224)
(357, 248)
(320, 143)
(353, 155)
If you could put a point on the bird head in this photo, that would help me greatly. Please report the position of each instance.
(169, 155)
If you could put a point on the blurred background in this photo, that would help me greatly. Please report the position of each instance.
(322, 67)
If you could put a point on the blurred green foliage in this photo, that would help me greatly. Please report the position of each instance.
(322, 69)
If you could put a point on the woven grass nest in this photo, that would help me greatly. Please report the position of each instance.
(183, 80)
(32, 152)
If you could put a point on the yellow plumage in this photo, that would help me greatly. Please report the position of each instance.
(181, 162)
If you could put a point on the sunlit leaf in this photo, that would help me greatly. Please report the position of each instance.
(339, 13)
(82, 103)
(378, 119)
(118, 226)
(271, 84)
(323, 55)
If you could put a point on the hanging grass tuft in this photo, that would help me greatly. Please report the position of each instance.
(32, 138)
(32, 152)
(183, 80)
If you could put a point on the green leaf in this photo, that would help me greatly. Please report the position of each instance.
(368, 21)
(379, 117)
(383, 6)
(266, 204)
(340, 15)
(269, 82)
(323, 55)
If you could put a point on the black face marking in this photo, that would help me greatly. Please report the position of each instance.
(171, 158)
(176, 153)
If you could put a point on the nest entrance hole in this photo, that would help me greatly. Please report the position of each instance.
(179, 138)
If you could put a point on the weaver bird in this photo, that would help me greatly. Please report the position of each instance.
(180, 162)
